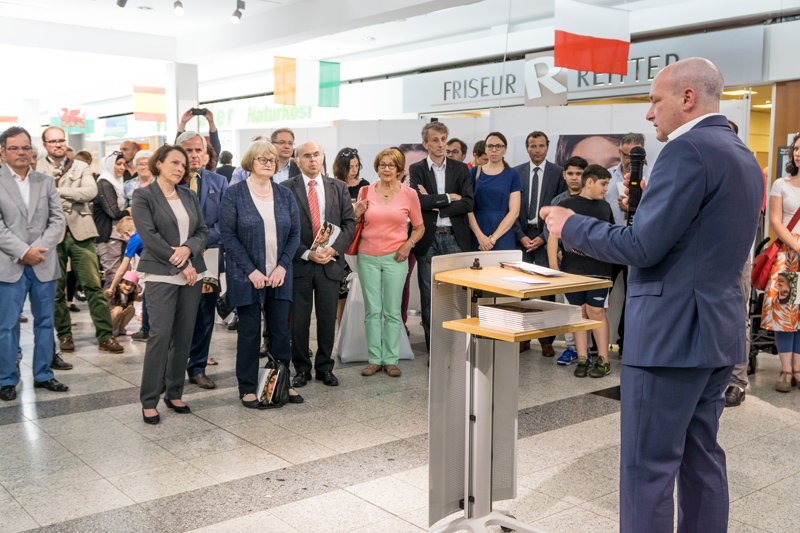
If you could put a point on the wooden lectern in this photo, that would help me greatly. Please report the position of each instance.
(474, 382)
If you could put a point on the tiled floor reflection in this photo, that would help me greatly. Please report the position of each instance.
(351, 459)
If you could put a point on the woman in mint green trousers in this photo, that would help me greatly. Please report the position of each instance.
(383, 257)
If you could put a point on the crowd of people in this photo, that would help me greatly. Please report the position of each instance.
(181, 224)
(258, 223)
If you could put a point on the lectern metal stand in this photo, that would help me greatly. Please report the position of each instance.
(474, 384)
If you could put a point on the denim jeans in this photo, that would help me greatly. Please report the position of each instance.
(12, 296)
(443, 244)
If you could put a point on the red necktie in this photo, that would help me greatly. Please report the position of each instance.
(313, 204)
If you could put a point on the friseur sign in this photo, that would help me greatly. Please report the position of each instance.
(738, 53)
(482, 86)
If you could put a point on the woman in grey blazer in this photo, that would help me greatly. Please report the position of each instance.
(170, 224)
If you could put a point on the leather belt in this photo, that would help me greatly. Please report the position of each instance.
(444, 229)
(533, 226)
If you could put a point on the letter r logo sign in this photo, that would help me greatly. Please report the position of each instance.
(541, 72)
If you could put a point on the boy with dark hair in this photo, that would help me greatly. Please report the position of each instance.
(573, 170)
(593, 303)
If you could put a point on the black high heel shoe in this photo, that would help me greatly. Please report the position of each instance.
(181, 409)
(151, 419)
(250, 404)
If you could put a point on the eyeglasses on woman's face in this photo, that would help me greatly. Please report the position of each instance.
(493, 147)
(265, 161)
(387, 165)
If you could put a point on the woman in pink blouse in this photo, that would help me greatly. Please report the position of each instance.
(383, 258)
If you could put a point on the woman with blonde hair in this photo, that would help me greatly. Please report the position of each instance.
(260, 226)
(383, 257)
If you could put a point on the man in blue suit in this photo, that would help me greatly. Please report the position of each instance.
(541, 182)
(685, 324)
(209, 187)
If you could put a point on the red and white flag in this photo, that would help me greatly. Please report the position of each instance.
(592, 38)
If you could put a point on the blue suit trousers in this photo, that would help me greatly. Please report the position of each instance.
(670, 419)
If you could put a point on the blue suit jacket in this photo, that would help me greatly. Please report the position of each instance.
(691, 235)
(553, 184)
(242, 230)
(212, 187)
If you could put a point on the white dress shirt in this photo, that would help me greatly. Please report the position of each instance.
(538, 191)
(320, 188)
(25, 191)
(680, 130)
(24, 187)
(439, 175)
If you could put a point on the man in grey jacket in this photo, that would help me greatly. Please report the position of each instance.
(31, 224)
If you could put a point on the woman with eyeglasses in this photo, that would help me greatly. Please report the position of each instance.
(108, 209)
(260, 226)
(498, 190)
(383, 257)
(347, 168)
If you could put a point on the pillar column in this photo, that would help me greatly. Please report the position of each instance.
(182, 93)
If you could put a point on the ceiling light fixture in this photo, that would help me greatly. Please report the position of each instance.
(145, 8)
(368, 39)
(237, 15)
(178, 7)
(121, 3)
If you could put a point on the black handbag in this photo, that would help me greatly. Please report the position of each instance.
(273, 384)
(222, 309)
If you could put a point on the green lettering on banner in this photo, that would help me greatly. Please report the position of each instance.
(284, 113)
(294, 112)
(251, 115)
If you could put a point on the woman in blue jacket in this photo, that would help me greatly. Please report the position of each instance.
(260, 229)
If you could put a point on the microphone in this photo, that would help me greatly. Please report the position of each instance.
(637, 155)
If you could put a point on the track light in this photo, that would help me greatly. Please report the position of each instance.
(121, 3)
(178, 7)
(237, 15)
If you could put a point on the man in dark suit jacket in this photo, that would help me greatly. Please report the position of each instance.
(317, 274)
(209, 187)
(445, 195)
(541, 182)
(685, 330)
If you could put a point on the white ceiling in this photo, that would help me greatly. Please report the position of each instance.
(113, 48)
(160, 19)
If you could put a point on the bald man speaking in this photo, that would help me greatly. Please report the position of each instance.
(686, 248)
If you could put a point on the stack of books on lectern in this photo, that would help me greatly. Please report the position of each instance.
(529, 315)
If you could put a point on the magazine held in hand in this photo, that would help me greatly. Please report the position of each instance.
(325, 237)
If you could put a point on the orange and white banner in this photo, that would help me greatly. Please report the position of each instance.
(306, 83)
(591, 38)
(149, 104)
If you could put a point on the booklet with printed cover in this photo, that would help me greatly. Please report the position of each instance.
(326, 236)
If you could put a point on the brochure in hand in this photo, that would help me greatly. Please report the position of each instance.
(326, 236)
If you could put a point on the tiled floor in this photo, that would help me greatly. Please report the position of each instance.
(351, 459)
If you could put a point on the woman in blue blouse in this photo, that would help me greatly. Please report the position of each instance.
(260, 228)
(497, 197)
